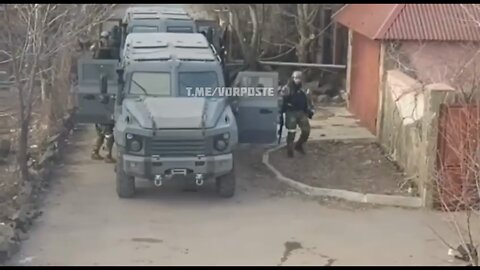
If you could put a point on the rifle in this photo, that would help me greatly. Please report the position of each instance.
(280, 128)
(281, 122)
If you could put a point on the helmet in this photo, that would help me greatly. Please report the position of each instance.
(297, 76)
(104, 34)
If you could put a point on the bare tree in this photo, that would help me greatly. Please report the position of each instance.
(273, 31)
(458, 186)
(36, 36)
(305, 17)
(456, 179)
(311, 26)
(246, 23)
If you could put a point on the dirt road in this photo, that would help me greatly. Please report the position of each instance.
(85, 223)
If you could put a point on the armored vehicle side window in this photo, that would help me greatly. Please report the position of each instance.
(179, 29)
(144, 29)
(150, 83)
(92, 72)
(196, 79)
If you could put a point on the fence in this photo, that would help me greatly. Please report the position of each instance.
(458, 163)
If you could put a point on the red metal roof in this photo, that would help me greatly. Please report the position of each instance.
(365, 19)
(429, 22)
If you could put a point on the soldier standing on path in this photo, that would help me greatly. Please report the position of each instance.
(298, 108)
(104, 134)
(102, 49)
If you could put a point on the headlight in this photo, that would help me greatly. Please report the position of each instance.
(135, 145)
(220, 145)
(221, 141)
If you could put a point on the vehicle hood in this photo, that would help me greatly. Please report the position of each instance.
(175, 112)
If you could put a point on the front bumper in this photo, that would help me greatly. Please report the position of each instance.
(148, 167)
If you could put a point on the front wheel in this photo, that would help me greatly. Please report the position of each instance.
(226, 185)
(125, 183)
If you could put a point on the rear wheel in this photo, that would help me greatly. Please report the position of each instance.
(125, 183)
(226, 185)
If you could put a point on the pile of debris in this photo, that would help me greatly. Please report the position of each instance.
(19, 202)
(328, 91)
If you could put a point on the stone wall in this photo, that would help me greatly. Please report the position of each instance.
(409, 127)
(400, 132)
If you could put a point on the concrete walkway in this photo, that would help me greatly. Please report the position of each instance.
(334, 123)
(337, 123)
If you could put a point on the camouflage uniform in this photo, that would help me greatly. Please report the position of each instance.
(104, 134)
(298, 108)
(104, 131)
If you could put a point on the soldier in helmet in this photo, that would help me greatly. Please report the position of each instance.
(101, 48)
(298, 108)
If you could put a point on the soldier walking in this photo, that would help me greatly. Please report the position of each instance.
(104, 134)
(298, 108)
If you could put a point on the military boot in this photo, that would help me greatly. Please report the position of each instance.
(110, 159)
(299, 148)
(96, 156)
(290, 139)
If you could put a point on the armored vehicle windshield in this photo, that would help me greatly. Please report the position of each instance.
(165, 64)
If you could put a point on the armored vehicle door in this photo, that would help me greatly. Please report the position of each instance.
(257, 116)
(211, 30)
(92, 106)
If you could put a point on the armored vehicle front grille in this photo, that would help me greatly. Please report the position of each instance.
(177, 148)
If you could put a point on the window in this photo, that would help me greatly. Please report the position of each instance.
(150, 84)
(144, 29)
(196, 79)
(179, 29)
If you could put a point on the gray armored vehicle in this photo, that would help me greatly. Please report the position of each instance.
(154, 19)
(161, 131)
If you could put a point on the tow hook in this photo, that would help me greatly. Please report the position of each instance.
(158, 181)
(199, 179)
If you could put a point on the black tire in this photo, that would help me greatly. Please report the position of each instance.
(226, 185)
(125, 183)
